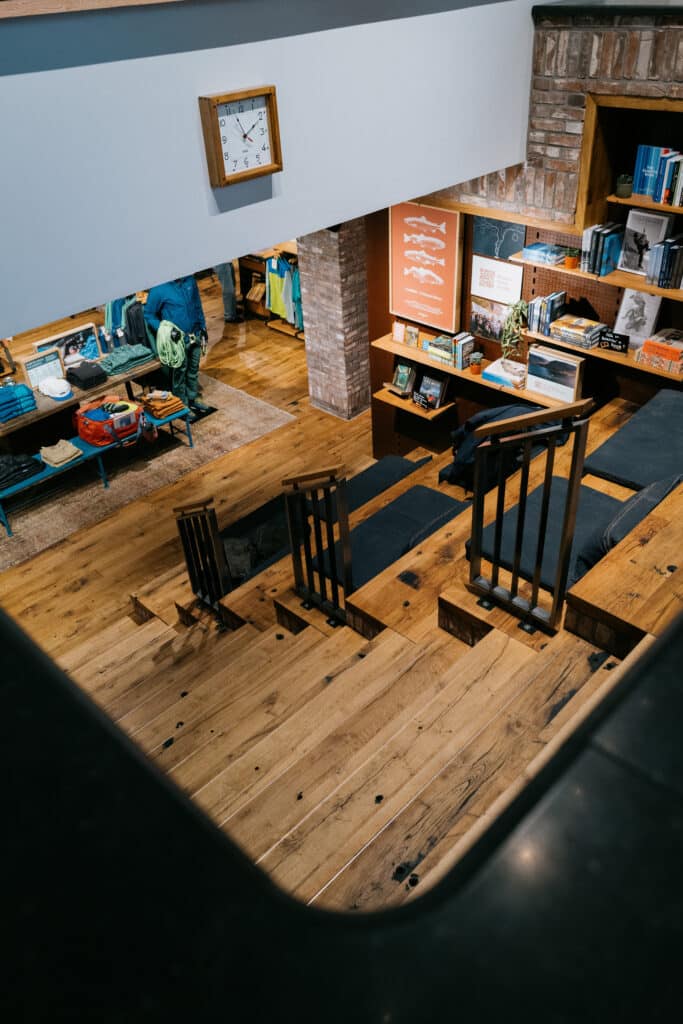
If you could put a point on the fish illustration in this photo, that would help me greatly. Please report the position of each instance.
(434, 243)
(422, 222)
(422, 275)
(423, 307)
(420, 256)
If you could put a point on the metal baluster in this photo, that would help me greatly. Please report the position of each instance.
(500, 509)
(521, 514)
(329, 525)
(543, 521)
(315, 504)
(480, 464)
(567, 538)
(306, 537)
(295, 536)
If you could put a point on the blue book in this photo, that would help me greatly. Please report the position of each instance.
(664, 156)
(649, 171)
(611, 251)
(668, 175)
(640, 158)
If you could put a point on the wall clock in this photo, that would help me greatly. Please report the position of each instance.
(241, 134)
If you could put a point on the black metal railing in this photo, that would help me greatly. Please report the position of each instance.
(316, 503)
(207, 566)
(550, 426)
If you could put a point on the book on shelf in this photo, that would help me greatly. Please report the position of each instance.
(543, 252)
(555, 374)
(672, 366)
(430, 392)
(506, 372)
(609, 253)
(649, 170)
(637, 315)
(577, 330)
(603, 232)
(403, 380)
(586, 243)
(667, 343)
(644, 230)
(441, 348)
(667, 177)
(464, 347)
(663, 172)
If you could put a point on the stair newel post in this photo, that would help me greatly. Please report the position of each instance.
(296, 530)
(344, 537)
(317, 531)
(571, 506)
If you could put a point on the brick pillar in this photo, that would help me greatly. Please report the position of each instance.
(335, 307)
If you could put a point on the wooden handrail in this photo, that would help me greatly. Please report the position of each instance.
(193, 506)
(314, 474)
(531, 419)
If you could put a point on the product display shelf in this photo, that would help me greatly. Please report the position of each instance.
(621, 358)
(644, 203)
(618, 278)
(407, 405)
(411, 354)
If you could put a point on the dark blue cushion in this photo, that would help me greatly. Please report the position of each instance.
(379, 477)
(594, 509)
(393, 531)
(647, 448)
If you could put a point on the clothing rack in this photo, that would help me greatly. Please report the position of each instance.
(287, 251)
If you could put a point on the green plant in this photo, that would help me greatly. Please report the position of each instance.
(572, 252)
(512, 329)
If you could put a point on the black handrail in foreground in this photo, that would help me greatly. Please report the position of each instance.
(316, 502)
(512, 436)
(207, 566)
(122, 902)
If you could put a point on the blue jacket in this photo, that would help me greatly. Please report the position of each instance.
(177, 301)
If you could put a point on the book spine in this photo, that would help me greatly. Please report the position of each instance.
(594, 248)
(586, 247)
(650, 168)
(659, 180)
(659, 348)
(638, 168)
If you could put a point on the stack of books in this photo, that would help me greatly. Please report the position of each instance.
(577, 330)
(665, 263)
(441, 348)
(543, 310)
(464, 347)
(601, 247)
(544, 252)
(658, 174)
(506, 372)
(663, 351)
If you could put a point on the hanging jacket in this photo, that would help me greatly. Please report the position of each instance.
(177, 301)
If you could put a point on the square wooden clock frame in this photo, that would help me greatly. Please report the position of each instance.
(208, 106)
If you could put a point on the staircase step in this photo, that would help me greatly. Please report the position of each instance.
(252, 601)
(80, 653)
(346, 735)
(119, 651)
(290, 613)
(370, 674)
(162, 595)
(462, 615)
(389, 867)
(174, 671)
(232, 730)
(479, 683)
(219, 687)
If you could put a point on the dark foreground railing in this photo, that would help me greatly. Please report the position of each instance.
(316, 502)
(207, 565)
(509, 436)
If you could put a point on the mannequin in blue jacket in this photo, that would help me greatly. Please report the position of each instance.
(179, 302)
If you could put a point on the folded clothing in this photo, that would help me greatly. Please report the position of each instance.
(86, 375)
(15, 400)
(15, 468)
(161, 404)
(55, 387)
(60, 454)
(124, 357)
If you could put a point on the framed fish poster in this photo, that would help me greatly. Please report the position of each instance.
(425, 260)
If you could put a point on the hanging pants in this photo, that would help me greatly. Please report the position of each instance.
(184, 380)
(226, 276)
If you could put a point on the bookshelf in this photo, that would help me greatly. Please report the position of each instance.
(618, 278)
(622, 359)
(407, 405)
(644, 203)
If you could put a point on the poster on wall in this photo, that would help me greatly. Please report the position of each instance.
(424, 264)
(499, 238)
(487, 318)
(493, 279)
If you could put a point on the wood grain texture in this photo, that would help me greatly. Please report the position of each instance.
(30, 8)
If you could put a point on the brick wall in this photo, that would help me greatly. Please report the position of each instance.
(597, 52)
(335, 307)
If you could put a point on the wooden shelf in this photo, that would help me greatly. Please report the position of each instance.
(622, 358)
(618, 278)
(644, 203)
(415, 355)
(407, 405)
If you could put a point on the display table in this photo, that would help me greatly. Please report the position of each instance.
(48, 406)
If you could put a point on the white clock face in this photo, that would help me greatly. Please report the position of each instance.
(245, 134)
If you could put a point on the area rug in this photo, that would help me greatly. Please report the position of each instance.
(48, 513)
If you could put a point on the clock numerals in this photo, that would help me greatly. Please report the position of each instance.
(264, 147)
(258, 158)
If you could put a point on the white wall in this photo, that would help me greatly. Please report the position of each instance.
(103, 184)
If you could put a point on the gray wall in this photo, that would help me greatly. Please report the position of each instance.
(103, 183)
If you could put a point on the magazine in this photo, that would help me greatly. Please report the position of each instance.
(637, 316)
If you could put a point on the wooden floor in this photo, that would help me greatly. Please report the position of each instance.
(352, 768)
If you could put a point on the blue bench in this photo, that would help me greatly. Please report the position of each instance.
(88, 453)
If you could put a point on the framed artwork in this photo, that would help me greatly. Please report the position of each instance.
(41, 365)
(497, 280)
(499, 238)
(74, 346)
(643, 230)
(487, 317)
(425, 264)
(554, 374)
(412, 335)
(398, 331)
(637, 316)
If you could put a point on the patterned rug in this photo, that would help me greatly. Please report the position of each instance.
(46, 514)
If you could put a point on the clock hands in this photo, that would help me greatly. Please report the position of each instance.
(245, 135)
